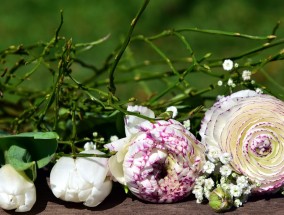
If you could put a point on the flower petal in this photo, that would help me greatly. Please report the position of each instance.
(116, 169)
(59, 175)
(132, 123)
(17, 191)
(99, 194)
(118, 144)
(86, 165)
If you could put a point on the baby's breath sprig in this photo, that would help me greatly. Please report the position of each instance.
(220, 185)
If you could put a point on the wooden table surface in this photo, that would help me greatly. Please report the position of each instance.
(118, 203)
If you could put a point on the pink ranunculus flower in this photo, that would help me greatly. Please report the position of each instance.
(249, 126)
(159, 161)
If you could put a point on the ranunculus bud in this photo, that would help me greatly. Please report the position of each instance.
(159, 161)
(83, 179)
(17, 191)
(220, 200)
(250, 127)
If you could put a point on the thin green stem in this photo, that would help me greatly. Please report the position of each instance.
(117, 58)
(61, 154)
(227, 33)
(74, 129)
(87, 46)
(164, 92)
(187, 45)
(59, 27)
(208, 31)
(117, 107)
(258, 49)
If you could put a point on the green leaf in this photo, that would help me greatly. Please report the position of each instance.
(39, 135)
(21, 160)
(40, 145)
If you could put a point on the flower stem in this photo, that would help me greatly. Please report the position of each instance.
(74, 130)
(111, 86)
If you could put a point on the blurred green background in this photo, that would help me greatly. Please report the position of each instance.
(29, 21)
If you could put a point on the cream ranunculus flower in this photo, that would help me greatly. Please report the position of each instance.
(83, 179)
(159, 161)
(17, 191)
(249, 126)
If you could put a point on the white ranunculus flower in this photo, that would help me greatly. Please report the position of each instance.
(17, 191)
(250, 127)
(159, 161)
(83, 179)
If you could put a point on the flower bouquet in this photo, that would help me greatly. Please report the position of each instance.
(205, 128)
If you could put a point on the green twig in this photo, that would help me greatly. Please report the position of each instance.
(258, 49)
(74, 129)
(59, 27)
(117, 107)
(111, 86)
(208, 31)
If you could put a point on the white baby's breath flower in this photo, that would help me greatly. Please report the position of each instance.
(213, 154)
(89, 146)
(231, 83)
(220, 83)
(225, 186)
(186, 124)
(199, 196)
(199, 200)
(258, 90)
(225, 170)
(228, 65)
(208, 167)
(197, 190)
(113, 138)
(252, 81)
(235, 190)
(238, 203)
(207, 193)
(236, 65)
(198, 193)
(208, 183)
(200, 180)
(242, 181)
(225, 158)
(247, 191)
(246, 75)
(223, 180)
(220, 97)
(174, 111)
